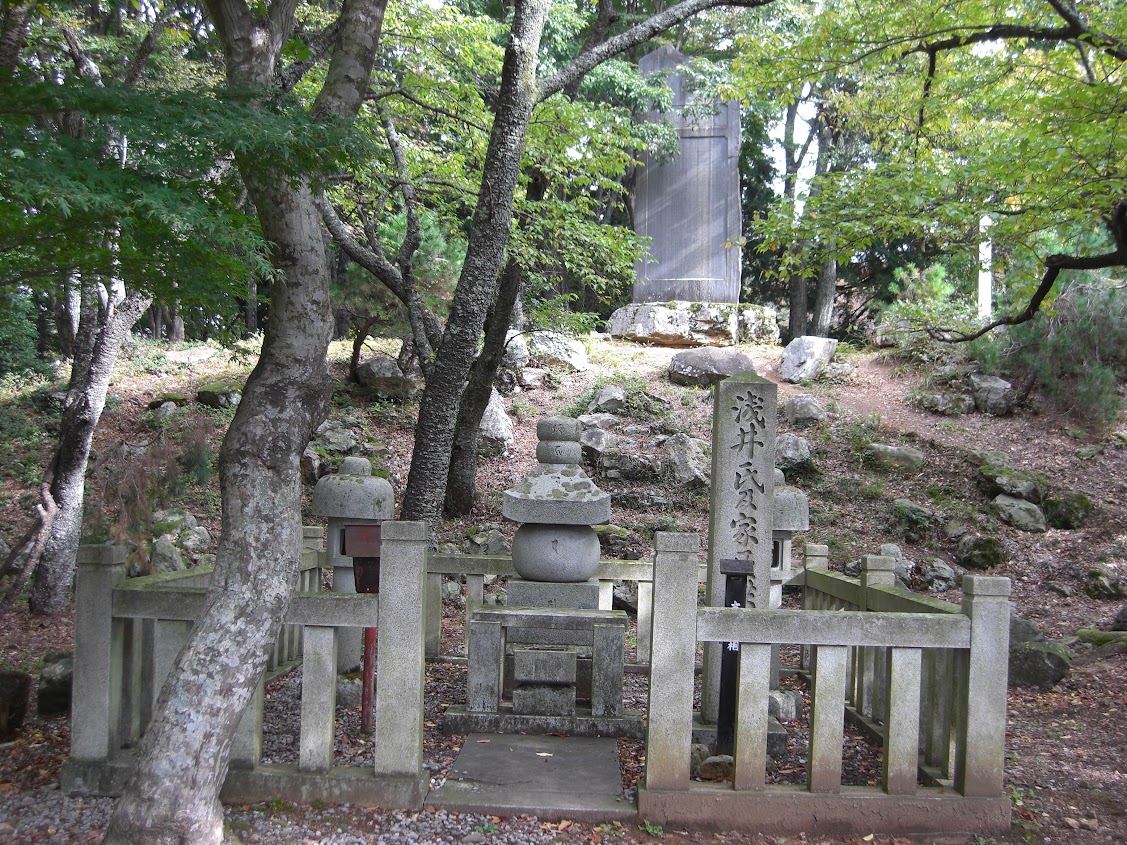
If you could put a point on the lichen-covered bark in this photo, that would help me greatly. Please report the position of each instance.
(172, 797)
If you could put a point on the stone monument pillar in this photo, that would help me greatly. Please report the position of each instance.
(690, 207)
(743, 503)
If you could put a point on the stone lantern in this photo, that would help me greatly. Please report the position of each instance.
(351, 496)
(792, 514)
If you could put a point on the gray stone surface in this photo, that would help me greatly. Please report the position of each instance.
(938, 576)
(690, 206)
(804, 409)
(555, 552)
(1022, 515)
(220, 395)
(544, 700)
(792, 452)
(543, 666)
(598, 421)
(607, 400)
(1038, 664)
(352, 493)
(1103, 582)
(708, 365)
(622, 463)
(382, 376)
(556, 349)
(516, 355)
(55, 681)
(166, 555)
(806, 358)
(995, 479)
(948, 403)
(593, 442)
(792, 510)
(688, 460)
(582, 595)
(695, 324)
(490, 540)
(896, 458)
(717, 767)
(980, 551)
(1067, 510)
(496, 427)
(992, 395)
(1120, 621)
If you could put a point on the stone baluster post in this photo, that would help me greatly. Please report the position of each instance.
(98, 645)
(982, 697)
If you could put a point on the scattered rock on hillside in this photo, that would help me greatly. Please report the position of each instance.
(1022, 515)
(487, 541)
(496, 427)
(594, 441)
(949, 403)
(1102, 582)
(897, 458)
(623, 465)
(708, 365)
(15, 691)
(1039, 664)
(166, 555)
(1120, 621)
(383, 378)
(607, 400)
(220, 394)
(603, 421)
(806, 358)
(992, 395)
(516, 355)
(995, 479)
(980, 551)
(555, 348)
(688, 460)
(1067, 510)
(938, 575)
(804, 409)
(55, 679)
(913, 518)
(793, 453)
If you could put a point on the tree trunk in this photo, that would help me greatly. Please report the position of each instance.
(798, 305)
(824, 298)
(477, 284)
(461, 482)
(102, 330)
(172, 795)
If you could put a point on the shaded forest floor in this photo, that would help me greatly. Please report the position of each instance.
(1067, 747)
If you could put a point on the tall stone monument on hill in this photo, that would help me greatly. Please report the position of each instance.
(690, 207)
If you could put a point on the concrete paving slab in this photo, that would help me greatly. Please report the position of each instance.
(550, 777)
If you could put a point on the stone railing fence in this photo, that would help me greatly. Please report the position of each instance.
(474, 568)
(855, 632)
(129, 631)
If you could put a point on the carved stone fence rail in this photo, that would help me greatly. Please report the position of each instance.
(129, 631)
(880, 627)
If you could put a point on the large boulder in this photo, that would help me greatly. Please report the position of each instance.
(995, 479)
(487, 541)
(496, 427)
(555, 348)
(516, 355)
(688, 460)
(1022, 515)
(992, 395)
(1039, 664)
(630, 465)
(896, 458)
(695, 324)
(166, 555)
(594, 441)
(948, 403)
(383, 378)
(938, 575)
(806, 358)
(708, 365)
(804, 409)
(1102, 582)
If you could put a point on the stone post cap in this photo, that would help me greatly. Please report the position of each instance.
(313, 532)
(986, 585)
(352, 495)
(672, 541)
(407, 531)
(878, 563)
(816, 550)
(792, 511)
(102, 554)
(353, 465)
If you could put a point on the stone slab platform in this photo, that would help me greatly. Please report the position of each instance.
(550, 777)
(705, 734)
(459, 721)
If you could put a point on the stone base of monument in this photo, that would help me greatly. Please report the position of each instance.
(705, 734)
(459, 721)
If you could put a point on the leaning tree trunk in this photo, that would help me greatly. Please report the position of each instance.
(798, 305)
(477, 284)
(173, 794)
(461, 482)
(103, 328)
(824, 298)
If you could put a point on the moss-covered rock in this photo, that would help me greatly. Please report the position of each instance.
(981, 551)
(1039, 664)
(1067, 511)
(999, 479)
(1103, 583)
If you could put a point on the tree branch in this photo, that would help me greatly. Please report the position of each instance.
(637, 34)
